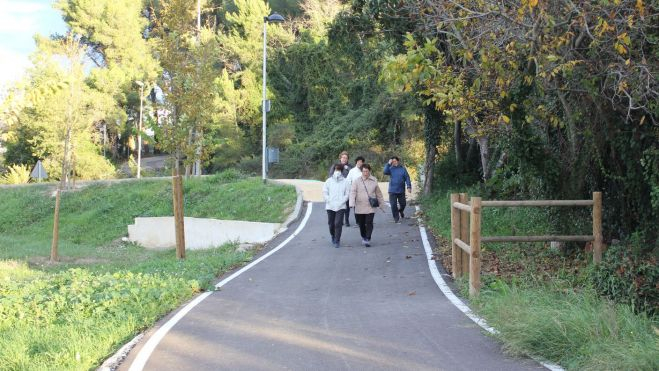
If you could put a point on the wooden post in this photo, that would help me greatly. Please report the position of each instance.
(464, 234)
(597, 227)
(456, 252)
(179, 226)
(475, 243)
(53, 246)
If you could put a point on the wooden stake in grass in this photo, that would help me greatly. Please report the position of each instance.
(456, 252)
(597, 227)
(464, 233)
(179, 221)
(475, 243)
(53, 246)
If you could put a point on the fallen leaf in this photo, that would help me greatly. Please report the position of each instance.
(408, 257)
(411, 293)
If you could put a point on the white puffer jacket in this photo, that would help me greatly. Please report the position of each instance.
(336, 193)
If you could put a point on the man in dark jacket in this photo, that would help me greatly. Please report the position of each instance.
(399, 179)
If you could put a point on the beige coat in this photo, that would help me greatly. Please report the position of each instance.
(359, 196)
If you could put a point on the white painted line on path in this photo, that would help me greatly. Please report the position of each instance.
(146, 351)
(446, 290)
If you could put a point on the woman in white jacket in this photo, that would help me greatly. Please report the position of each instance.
(336, 193)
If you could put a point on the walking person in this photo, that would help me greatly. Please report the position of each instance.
(343, 160)
(336, 193)
(363, 193)
(354, 173)
(399, 179)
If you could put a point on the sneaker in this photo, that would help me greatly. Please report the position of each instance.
(333, 241)
(336, 244)
(368, 243)
(364, 242)
(347, 224)
(402, 215)
(397, 221)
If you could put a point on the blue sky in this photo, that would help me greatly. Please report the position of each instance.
(20, 20)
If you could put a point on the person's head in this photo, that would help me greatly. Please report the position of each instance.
(359, 161)
(395, 161)
(343, 157)
(366, 170)
(338, 167)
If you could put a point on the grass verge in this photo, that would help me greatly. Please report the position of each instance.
(73, 314)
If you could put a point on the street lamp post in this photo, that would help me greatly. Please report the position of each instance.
(272, 18)
(139, 130)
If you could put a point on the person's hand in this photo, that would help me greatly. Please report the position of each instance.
(390, 161)
(409, 189)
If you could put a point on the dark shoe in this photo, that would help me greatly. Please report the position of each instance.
(333, 241)
(397, 221)
(368, 243)
(364, 242)
(347, 224)
(402, 215)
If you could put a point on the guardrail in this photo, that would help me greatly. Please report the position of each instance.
(466, 236)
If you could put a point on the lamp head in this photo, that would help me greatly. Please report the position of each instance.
(274, 18)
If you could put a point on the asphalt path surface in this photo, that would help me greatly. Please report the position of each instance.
(310, 306)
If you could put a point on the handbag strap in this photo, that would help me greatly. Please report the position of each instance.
(366, 189)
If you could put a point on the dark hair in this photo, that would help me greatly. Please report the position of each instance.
(360, 158)
(338, 167)
(395, 158)
(366, 166)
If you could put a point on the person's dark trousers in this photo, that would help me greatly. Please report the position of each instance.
(395, 199)
(335, 222)
(365, 222)
(347, 213)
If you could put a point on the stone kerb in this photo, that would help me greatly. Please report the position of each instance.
(158, 232)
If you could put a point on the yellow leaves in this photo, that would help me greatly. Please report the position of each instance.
(528, 80)
(624, 38)
(513, 107)
(505, 119)
(620, 48)
(469, 55)
(640, 7)
(603, 27)
(407, 87)
(533, 3)
(622, 86)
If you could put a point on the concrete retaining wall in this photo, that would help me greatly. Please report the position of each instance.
(158, 232)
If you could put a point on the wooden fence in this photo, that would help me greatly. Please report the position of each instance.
(466, 236)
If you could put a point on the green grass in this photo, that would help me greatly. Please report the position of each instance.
(73, 314)
(542, 302)
(575, 328)
(96, 215)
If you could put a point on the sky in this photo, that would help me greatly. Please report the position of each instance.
(20, 20)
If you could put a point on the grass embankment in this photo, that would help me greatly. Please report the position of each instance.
(542, 301)
(73, 314)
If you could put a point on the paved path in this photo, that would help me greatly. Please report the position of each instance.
(310, 306)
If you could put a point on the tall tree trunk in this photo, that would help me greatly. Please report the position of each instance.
(457, 138)
(431, 128)
(485, 156)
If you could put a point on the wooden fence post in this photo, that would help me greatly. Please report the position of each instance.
(475, 244)
(456, 252)
(597, 227)
(53, 246)
(464, 233)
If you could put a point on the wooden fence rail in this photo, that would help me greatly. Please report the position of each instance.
(466, 236)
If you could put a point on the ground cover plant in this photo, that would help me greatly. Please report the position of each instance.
(73, 314)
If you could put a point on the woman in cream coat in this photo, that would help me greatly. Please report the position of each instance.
(361, 189)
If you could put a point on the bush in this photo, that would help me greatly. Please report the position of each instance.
(630, 274)
(16, 174)
(227, 176)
